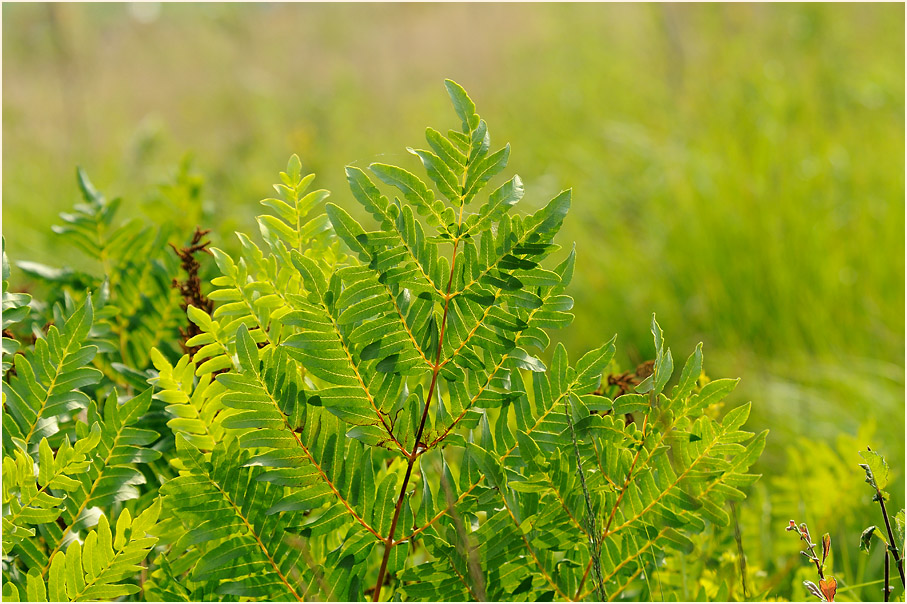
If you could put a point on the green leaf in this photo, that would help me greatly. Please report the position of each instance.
(35, 588)
(876, 469)
(246, 349)
(677, 540)
(692, 369)
(713, 392)
(866, 538)
(463, 105)
(590, 366)
(413, 189)
(348, 229)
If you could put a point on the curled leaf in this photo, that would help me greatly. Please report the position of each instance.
(866, 539)
(814, 589)
(826, 547)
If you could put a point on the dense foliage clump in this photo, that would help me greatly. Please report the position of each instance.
(363, 412)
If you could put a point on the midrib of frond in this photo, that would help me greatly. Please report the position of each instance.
(473, 331)
(460, 576)
(23, 506)
(85, 501)
(312, 459)
(362, 384)
(563, 502)
(237, 510)
(99, 577)
(254, 314)
(409, 332)
(50, 388)
(494, 263)
(412, 254)
(601, 469)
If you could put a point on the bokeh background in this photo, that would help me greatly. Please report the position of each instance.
(737, 169)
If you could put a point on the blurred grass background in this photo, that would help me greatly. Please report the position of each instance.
(737, 169)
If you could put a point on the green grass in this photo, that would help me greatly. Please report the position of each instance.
(737, 169)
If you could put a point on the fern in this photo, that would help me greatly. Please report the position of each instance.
(139, 307)
(47, 386)
(370, 410)
(192, 405)
(236, 540)
(95, 569)
(32, 503)
(410, 423)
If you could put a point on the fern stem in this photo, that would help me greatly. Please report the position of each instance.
(593, 532)
(411, 460)
(49, 391)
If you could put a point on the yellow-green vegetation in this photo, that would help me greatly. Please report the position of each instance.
(736, 169)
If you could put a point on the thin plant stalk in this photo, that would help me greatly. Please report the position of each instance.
(593, 531)
(893, 548)
(886, 588)
(411, 459)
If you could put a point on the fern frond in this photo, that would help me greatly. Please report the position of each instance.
(28, 503)
(298, 222)
(89, 225)
(46, 388)
(96, 569)
(352, 379)
(243, 543)
(195, 406)
(254, 290)
(113, 474)
(298, 443)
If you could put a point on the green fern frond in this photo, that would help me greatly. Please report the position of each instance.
(299, 222)
(254, 291)
(46, 388)
(194, 406)
(237, 541)
(112, 476)
(295, 439)
(28, 503)
(96, 569)
(422, 339)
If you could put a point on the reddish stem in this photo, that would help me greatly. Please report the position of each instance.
(411, 460)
